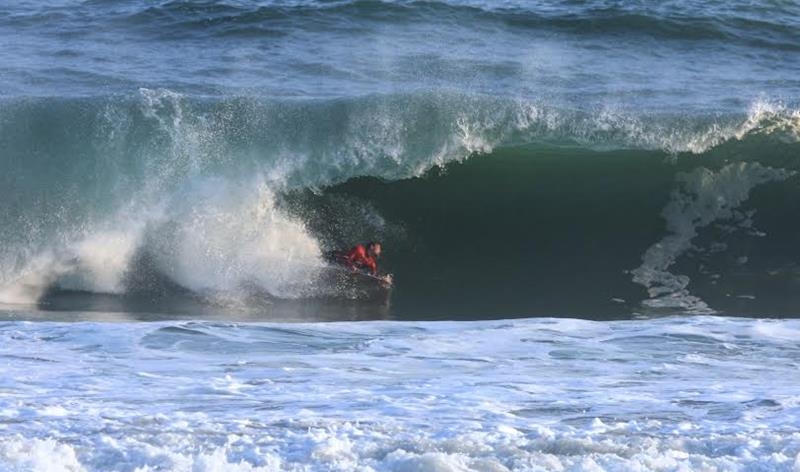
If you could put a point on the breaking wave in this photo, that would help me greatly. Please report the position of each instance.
(161, 192)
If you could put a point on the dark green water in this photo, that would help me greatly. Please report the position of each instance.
(549, 231)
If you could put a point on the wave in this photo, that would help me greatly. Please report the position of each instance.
(224, 198)
(763, 24)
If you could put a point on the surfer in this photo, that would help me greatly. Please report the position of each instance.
(363, 257)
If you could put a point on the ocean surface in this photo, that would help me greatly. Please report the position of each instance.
(590, 210)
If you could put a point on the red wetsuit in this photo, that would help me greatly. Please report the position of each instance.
(358, 257)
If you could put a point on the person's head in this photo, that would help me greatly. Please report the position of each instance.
(374, 249)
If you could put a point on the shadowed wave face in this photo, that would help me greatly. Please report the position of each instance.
(590, 160)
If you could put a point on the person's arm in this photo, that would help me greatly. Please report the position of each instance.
(354, 257)
(349, 260)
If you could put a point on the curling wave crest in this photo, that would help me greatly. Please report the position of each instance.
(121, 194)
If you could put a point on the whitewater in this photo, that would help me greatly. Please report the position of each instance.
(589, 210)
(696, 393)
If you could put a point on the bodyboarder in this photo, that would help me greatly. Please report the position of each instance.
(361, 258)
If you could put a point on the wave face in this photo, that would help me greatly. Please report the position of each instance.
(486, 205)
(553, 230)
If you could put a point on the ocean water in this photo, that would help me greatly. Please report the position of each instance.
(589, 209)
(695, 393)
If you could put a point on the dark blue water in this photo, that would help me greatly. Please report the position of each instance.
(667, 56)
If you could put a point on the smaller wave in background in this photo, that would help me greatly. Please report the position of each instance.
(766, 24)
(679, 56)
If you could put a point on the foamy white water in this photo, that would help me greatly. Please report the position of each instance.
(683, 393)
